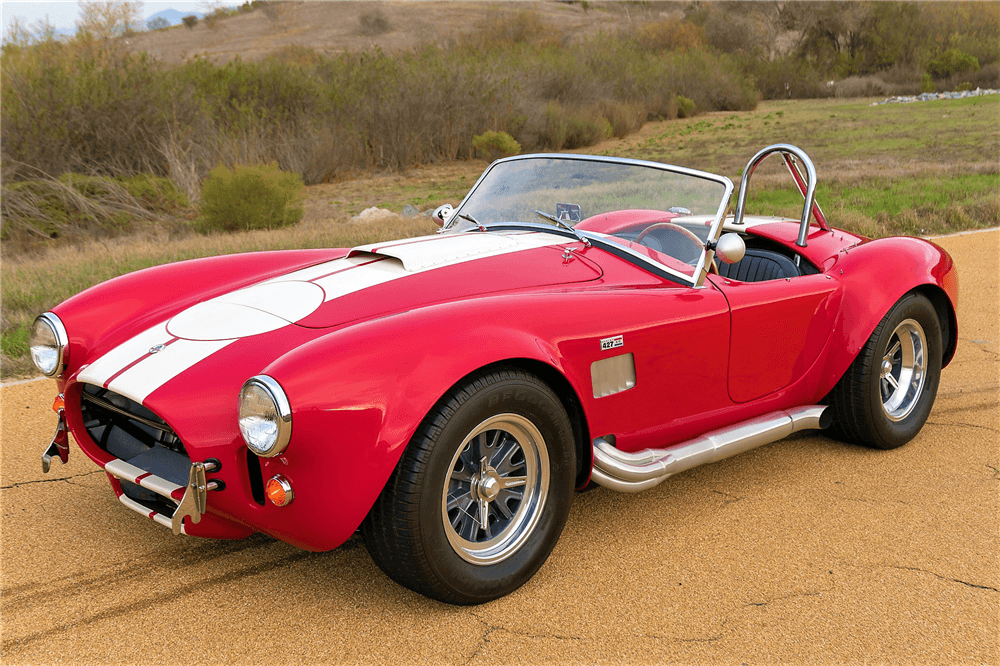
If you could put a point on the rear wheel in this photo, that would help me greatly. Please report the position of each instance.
(884, 398)
(481, 494)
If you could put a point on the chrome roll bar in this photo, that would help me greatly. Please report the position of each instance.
(806, 186)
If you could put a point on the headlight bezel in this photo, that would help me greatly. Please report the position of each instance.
(283, 410)
(58, 330)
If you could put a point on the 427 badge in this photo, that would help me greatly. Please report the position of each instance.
(611, 343)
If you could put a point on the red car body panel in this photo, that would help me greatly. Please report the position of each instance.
(363, 370)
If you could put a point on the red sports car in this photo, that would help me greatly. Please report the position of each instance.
(578, 320)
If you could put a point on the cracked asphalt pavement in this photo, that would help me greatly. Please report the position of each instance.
(807, 550)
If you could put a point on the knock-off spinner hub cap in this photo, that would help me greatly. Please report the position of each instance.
(489, 486)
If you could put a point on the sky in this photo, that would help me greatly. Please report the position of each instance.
(63, 14)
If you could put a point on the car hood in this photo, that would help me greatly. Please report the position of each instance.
(378, 279)
(371, 281)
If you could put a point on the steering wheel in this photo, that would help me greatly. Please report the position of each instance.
(682, 244)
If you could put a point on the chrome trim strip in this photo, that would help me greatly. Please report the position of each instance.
(635, 472)
(62, 339)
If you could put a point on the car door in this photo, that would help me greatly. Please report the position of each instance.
(779, 327)
(654, 365)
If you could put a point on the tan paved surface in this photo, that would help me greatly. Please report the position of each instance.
(802, 551)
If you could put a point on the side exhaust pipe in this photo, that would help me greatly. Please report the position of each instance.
(635, 472)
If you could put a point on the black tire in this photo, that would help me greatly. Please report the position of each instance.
(884, 399)
(416, 535)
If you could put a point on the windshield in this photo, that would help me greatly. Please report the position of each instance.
(618, 197)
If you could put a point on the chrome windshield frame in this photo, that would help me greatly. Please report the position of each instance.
(696, 279)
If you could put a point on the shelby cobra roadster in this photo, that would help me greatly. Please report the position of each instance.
(577, 320)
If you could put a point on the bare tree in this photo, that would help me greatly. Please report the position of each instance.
(107, 19)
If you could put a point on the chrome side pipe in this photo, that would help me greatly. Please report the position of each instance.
(635, 472)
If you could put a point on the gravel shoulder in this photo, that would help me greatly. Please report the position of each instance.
(806, 550)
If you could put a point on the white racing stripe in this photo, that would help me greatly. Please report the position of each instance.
(130, 351)
(153, 372)
(205, 328)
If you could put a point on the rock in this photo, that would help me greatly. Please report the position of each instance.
(927, 97)
(373, 214)
(410, 211)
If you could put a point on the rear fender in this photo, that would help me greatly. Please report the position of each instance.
(876, 275)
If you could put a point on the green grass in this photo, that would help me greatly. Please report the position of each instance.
(884, 196)
(943, 133)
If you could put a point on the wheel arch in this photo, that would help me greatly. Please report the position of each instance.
(570, 400)
(946, 315)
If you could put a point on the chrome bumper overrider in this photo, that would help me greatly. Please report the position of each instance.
(58, 447)
(191, 500)
(635, 472)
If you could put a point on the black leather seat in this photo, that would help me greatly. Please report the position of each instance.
(759, 265)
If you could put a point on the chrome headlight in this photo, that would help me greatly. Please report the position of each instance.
(48, 344)
(265, 416)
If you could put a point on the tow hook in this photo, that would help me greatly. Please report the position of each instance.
(195, 500)
(59, 446)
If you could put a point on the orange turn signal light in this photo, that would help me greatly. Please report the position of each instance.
(59, 404)
(279, 491)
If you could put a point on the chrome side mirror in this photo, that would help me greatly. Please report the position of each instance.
(442, 214)
(730, 248)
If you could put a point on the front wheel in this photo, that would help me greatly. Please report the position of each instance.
(886, 395)
(481, 494)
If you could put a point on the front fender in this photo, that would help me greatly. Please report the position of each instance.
(359, 393)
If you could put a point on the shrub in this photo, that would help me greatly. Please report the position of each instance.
(374, 22)
(951, 62)
(623, 117)
(250, 197)
(495, 145)
(964, 86)
(190, 21)
(927, 84)
(685, 107)
(157, 23)
(670, 35)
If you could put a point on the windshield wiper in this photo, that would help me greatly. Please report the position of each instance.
(473, 220)
(573, 231)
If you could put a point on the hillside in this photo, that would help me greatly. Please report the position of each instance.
(335, 27)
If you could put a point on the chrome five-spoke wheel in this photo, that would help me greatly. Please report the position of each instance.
(903, 370)
(496, 489)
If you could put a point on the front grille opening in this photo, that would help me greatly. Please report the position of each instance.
(129, 431)
(256, 478)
